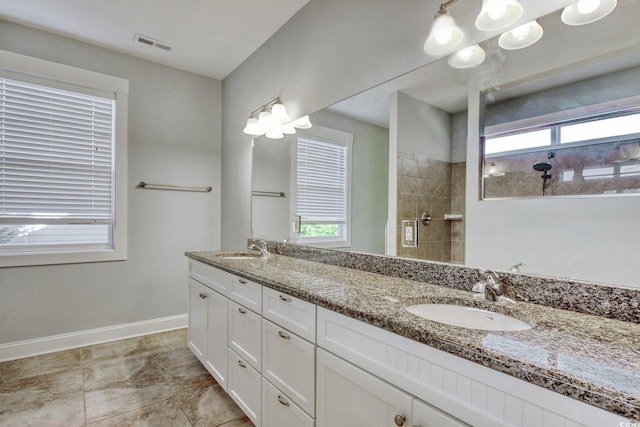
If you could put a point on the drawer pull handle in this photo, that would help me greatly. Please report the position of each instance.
(281, 400)
(285, 299)
(242, 364)
(283, 335)
(203, 296)
(242, 310)
(400, 419)
(244, 282)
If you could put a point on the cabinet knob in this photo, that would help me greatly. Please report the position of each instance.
(242, 310)
(284, 336)
(242, 364)
(400, 419)
(285, 299)
(242, 281)
(203, 296)
(282, 400)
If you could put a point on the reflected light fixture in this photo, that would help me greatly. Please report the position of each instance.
(445, 36)
(491, 170)
(587, 11)
(521, 36)
(468, 57)
(273, 121)
(497, 15)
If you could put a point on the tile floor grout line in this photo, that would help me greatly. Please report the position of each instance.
(84, 391)
(175, 395)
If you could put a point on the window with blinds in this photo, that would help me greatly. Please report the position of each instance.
(322, 190)
(56, 168)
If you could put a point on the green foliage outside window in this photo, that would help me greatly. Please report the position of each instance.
(319, 230)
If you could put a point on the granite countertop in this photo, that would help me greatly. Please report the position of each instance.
(590, 358)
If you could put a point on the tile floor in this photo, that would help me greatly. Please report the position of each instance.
(153, 380)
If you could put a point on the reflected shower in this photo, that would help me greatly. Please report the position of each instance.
(545, 168)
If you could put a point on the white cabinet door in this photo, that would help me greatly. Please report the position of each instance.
(279, 411)
(288, 362)
(216, 356)
(347, 396)
(245, 334)
(425, 415)
(245, 387)
(197, 340)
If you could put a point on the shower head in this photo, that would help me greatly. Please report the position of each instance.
(542, 166)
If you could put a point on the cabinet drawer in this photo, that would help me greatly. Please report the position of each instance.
(247, 293)
(288, 362)
(279, 411)
(212, 277)
(291, 313)
(245, 334)
(245, 387)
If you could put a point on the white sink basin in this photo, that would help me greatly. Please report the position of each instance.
(468, 317)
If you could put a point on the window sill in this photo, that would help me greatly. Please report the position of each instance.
(36, 259)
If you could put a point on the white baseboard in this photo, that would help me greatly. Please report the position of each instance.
(50, 344)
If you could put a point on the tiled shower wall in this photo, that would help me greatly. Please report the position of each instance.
(591, 169)
(436, 187)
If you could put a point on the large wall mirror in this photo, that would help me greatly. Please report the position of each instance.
(421, 185)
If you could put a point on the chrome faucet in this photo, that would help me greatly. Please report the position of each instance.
(493, 287)
(260, 245)
(280, 247)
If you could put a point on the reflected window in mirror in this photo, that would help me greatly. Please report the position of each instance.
(534, 145)
(323, 188)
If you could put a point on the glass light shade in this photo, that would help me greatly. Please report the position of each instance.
(445, 36)
(279, 113)
(587, 11)
(468, 57)
(288, 128)
(496, 15)
(252, 127)
(521, 37)
(275, 133)
(302, 123)
(265, 121)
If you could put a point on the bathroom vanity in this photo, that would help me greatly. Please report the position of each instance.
(302, 343)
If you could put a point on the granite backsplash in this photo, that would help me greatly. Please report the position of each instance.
(609, 301)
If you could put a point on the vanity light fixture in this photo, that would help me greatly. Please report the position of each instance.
(468, 57)
(521, 36)
(445, 36)
(273, 121)
(491, 169)
(497, 15)
(587, 11)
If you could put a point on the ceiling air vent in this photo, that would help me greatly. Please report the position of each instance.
(151, 42)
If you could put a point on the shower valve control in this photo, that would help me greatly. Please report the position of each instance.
(426, 218)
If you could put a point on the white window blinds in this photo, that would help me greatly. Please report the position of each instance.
(322, 181)
(56, 156)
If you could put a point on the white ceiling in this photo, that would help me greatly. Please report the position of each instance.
(208, 37)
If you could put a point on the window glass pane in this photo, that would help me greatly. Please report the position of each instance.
(519, 141)
(630, 170)
(319, 230)
(321, 181)
(56, 167)
(603, 128)
(24, 235)
(598, 173)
